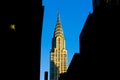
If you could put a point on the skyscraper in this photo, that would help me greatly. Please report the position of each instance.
(58, 53)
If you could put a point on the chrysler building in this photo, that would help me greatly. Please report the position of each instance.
(58, 53)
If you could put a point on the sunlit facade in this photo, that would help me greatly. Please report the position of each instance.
(58, 53)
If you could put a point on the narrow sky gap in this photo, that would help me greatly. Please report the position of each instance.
(73, 14)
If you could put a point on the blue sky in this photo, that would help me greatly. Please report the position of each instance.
(73, 14)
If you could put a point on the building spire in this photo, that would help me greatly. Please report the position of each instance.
(58, 19)
(58, 30)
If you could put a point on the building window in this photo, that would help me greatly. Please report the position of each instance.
(59, 42)
(108, 1)
(12, 26)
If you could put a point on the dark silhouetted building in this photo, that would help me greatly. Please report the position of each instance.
(99, 44)
(105, 3)
(46, 76)
(20, 39)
